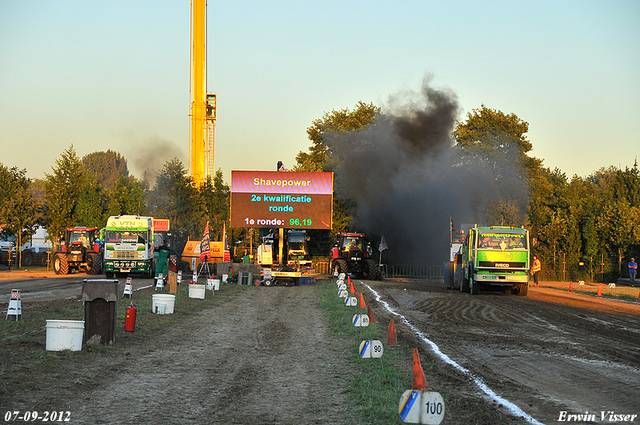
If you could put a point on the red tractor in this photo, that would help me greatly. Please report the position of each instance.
(352, 254)
(79, 250)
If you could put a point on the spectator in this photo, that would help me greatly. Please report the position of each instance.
(246, 259)
(163, 256)
(633, 269)
(535, 269)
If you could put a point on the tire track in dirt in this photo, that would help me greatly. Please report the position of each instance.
(265, 357)
(544, 353)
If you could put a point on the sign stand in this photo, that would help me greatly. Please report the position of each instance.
(15, 306)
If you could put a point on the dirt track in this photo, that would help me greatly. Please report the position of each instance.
(549, 352)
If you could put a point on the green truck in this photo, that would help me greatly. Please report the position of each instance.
(496, 256)
(128, 246)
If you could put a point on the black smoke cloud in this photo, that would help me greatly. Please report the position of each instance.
(407, 182)
(147, 158)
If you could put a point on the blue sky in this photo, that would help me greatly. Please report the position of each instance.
(115, 74)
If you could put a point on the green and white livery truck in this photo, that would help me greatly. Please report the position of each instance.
(496, 256)
(128, 246)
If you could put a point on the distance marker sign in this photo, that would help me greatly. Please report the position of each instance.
(421, 407)
(293, 200)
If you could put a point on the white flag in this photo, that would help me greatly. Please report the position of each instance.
(383, 244)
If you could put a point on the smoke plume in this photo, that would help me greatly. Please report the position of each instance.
(407, 182)
(148, 157)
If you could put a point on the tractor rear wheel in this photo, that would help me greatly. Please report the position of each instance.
(369, 269)
(94, 263)
(339, 266)
(60, 264)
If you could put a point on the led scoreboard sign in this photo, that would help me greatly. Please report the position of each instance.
(294, 200)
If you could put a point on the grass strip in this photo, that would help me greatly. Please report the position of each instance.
(376, 385)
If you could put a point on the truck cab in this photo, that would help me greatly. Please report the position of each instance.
(496, 256)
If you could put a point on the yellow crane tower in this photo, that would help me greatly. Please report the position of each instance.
(203, 104)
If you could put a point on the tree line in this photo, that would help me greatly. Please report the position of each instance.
(87, 191)
(581, 227)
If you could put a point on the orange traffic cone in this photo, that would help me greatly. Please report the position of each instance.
(362, 304)
(370, 314)
(419, 381)
(353, 291)
(391, 335)
(599, 291)
(571, 287)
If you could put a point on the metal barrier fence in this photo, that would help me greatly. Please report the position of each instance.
(413, 270)
(395, 270)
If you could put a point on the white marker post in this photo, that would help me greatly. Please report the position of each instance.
(343, 294)
(421, 407)
(351, 302)
(371, 349)
(360, 320)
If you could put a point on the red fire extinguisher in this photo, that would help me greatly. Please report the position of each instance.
(130, 318)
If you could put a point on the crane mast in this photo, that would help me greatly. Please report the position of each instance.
(203, 104)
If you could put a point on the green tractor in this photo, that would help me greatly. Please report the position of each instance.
(79, 250)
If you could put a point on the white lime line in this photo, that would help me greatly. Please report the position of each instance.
(512, 408)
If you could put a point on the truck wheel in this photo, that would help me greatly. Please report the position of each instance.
(523, 289)
(60, 264)
(464, 285)
(267, 282)
(94, 263)
(474, 286)
(27, 260)
(109, 275)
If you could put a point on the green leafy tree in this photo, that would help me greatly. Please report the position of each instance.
(491, 136)
(496, 143)
(215, 195)
(65, 188)
(175, 198)
(17, 208)
(127, 197)
(107, 166)
(320, 156)
(91, 209)
(324, 156)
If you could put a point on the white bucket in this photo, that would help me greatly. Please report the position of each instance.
(210, 284)
(196, 290)
(225, 277)
(216, 284)
(64, 335)
(158, 301)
